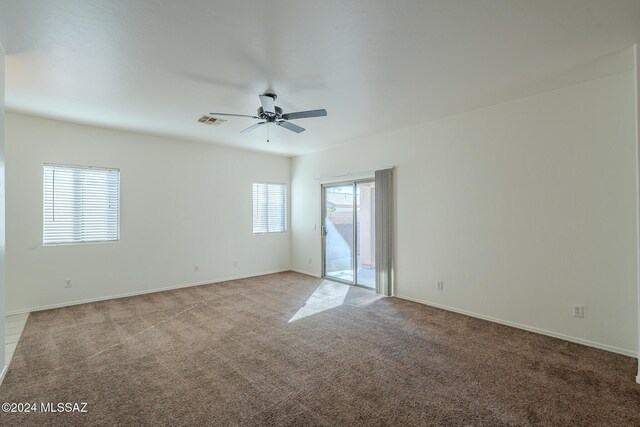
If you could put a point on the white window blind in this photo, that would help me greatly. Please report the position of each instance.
(81, 204)
(269, 208)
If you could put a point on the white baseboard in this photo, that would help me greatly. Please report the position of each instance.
(132, 294)
(308, 273)
(613, 349)
(5, 368)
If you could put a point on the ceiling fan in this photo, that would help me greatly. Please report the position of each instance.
(269, 113)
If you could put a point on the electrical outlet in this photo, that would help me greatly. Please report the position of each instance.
(578, 311)
(67, 283)
(440, 286)
(196, 267)
(235, 263)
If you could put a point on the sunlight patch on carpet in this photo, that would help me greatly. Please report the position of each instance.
(327, 295)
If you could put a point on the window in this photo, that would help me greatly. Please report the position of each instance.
(269, 208)
(81, 204)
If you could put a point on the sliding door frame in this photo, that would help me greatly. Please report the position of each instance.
(354, 263)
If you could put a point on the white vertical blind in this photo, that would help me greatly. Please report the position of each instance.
(81, 204)
(269, 208)
(384, 232)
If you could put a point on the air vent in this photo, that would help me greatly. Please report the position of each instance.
(208, 120)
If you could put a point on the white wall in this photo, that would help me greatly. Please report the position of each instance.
(522, 210)
(2, 220)
(636, 67)
(182, 203)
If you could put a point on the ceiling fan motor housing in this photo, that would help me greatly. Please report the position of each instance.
(270, 117)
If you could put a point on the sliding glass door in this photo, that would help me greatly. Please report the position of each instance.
(338, 230)
(349, 232)
(366, 234)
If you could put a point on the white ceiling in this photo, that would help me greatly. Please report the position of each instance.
(375, 65)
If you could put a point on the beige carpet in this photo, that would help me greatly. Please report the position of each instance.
(287, 349)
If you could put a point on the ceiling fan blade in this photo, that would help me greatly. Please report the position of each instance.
(305, 114)
(250, 128)
(291, 126)
(233, 115)
(268, 105)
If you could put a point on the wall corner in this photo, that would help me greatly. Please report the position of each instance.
(2, 221)
(636, 55)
